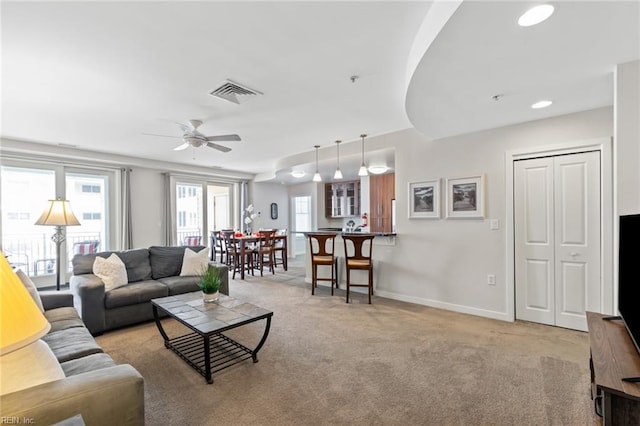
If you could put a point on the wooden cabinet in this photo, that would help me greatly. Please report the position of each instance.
(342, 199)
(615, 371)
(382, 191)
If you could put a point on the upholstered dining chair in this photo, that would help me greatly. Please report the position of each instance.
(264, 251)
(322, 248)
(357, 251)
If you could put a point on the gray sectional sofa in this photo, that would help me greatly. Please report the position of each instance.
(152, 272)
(94, 386)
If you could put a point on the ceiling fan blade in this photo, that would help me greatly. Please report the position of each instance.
(223, 138)
(164, 136)
(218, 147)
(181, 147)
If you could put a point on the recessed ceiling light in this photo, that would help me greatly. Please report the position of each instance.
(378, 170)
(541, 104)
(297, 173)
(535, 15)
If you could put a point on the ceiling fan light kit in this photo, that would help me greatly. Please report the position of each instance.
(191, 137)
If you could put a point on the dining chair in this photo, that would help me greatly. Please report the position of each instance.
(264, 251)
(357, 251)
(234, 254)
(322, 250)
(280, 246)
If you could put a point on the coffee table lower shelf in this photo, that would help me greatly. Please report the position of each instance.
(223, 352)
(206, 348)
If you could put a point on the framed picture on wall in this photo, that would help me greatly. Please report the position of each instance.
(424, 199)
(465, 197)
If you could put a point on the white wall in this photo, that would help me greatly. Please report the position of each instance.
(146, 207)
(444, 263)
(627, 136)
(262, 195)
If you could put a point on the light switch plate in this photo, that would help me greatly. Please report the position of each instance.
(494, 224)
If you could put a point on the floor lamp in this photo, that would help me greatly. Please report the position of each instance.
(58, 214)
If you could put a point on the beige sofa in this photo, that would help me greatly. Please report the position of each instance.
(95, 387)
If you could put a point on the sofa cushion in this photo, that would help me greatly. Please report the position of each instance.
(86, 364)
(111, 271)
(31, 288)
(136, 262)
(179, 285)
(135, 293)
(72, 343)
(167, 261)
(63, 318)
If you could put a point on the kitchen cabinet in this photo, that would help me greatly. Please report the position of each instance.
(342, 199)
(382, 192)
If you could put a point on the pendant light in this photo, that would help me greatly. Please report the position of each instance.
(338, 173)
(316, 176)
(363, 168)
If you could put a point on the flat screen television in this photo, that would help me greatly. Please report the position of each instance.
(629, 275)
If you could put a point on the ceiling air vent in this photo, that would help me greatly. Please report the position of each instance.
(234, 92)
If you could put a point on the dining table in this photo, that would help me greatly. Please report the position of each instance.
(245, 240)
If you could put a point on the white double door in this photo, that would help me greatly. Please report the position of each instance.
(557, 239)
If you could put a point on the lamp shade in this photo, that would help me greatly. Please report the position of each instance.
(58, 213)
(21, 322)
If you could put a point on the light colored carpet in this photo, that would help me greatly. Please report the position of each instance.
(328, 362)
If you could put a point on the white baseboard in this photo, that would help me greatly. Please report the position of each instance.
(503, 316)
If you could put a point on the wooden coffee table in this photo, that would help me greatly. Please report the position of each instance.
(206, 348)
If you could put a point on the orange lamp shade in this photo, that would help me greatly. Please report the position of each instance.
(21, 322)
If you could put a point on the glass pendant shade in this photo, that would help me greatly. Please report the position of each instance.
(316, 176)
(363, 169)
(338, 173)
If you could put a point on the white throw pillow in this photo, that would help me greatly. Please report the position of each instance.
(31, 288)
(111, 271)
(193, 263)
(29, 366)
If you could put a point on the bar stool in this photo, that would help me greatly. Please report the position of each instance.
(322, 246)
(357, 252)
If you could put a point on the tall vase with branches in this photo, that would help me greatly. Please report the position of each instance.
(249, 216)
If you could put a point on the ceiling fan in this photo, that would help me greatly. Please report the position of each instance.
(192, 137)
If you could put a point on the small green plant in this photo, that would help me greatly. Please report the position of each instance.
(209, 280)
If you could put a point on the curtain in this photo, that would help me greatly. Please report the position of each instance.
(167, 210)
(244, 202)
(125, 193)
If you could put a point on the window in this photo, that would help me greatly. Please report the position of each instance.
(91, 188)
(29, 246)
(91, 216)
(189, 207)
(201, 208)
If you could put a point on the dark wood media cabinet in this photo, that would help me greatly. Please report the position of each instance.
(614, 361)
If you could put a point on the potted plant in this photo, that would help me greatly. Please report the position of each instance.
(210, 284)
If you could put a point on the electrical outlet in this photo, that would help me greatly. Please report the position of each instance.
(491, 279)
